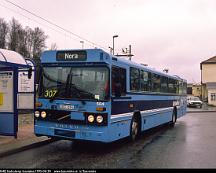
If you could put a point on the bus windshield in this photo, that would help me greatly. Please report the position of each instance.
(75, 83)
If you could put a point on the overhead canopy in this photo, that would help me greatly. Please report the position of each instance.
(10, 58)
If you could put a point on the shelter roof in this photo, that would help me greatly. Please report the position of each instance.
(11, 58)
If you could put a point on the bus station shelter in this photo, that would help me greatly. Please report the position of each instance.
(16, 89)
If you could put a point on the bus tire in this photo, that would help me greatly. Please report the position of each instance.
(134, 128)
(174, 117)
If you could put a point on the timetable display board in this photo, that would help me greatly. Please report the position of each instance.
(6, 91)
(25, 96)
(25, 84)
(25, 101)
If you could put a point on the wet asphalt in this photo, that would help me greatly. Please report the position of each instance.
(190, 144)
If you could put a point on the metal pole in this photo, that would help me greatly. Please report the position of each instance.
(201, 82)
(130, 52)
(113, 45)
(82, 42)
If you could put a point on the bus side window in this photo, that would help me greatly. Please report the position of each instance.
(156, 83)
(118, 81)
(145, 81)
(134, 79)
(173, 86)
(164, 84)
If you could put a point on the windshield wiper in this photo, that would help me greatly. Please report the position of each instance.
(82, 94)
(73, 89)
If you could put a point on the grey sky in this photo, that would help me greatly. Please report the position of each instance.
(171, 34)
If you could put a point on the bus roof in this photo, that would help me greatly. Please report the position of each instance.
(146, 68)
(94, 55)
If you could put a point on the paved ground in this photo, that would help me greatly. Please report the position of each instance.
(25, 129)
(26, 138)
(189, 144)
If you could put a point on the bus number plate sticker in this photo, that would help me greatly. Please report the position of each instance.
(100, 103)
(67, 107)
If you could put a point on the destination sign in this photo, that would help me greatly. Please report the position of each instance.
(71, 56)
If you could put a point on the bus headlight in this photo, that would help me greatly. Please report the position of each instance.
(99, 119)
(37, 114)
(96, 119)
(91, 118)
(43, 114)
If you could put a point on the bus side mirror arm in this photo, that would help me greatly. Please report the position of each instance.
(29, 72)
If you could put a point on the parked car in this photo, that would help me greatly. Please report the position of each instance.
(194, 102)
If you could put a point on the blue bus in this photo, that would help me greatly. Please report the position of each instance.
(91, 95)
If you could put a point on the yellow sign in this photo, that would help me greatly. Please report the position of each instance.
(50, 93)
(1, 99)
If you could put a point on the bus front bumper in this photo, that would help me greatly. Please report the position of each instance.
(79, 133)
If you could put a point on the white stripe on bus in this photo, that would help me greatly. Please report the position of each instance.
(142, 112)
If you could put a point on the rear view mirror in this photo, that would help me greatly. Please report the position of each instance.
(30, 73)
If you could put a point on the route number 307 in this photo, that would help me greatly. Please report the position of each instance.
(50, 93)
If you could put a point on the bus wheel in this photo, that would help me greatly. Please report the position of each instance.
(173, 118)
(134, 130)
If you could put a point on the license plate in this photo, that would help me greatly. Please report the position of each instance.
(65, 133)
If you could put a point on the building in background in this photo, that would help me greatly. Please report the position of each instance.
(194, 90)
(208, 80)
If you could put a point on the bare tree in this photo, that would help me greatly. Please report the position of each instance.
(14, 35)
(29, 33)
(3, 33)
(39, 45)
(22, 43)
(29, 43)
